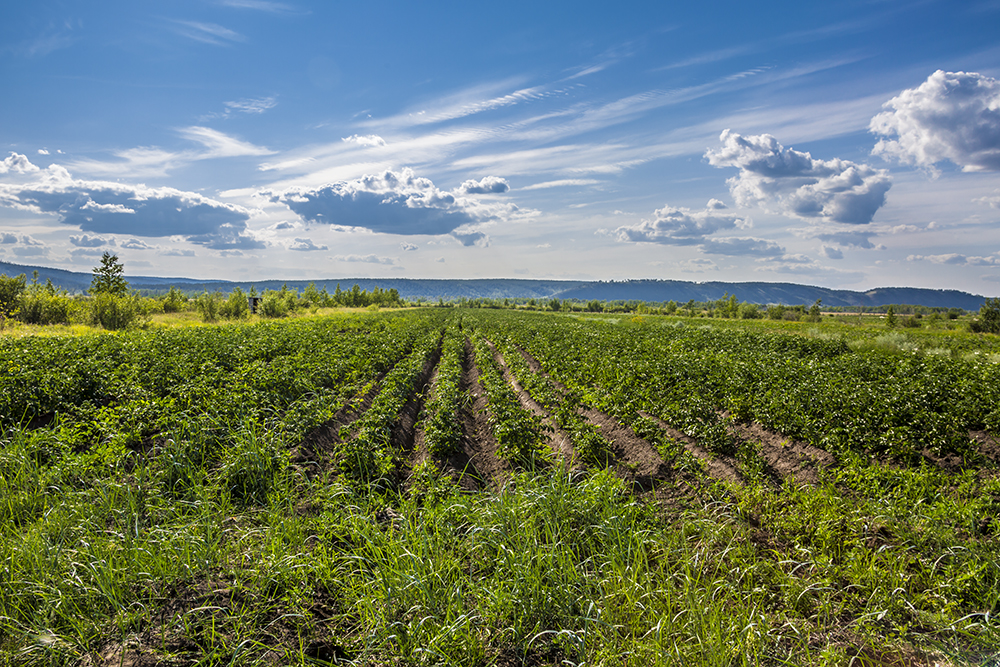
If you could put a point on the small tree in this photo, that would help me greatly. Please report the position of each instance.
(989, 317)
(890, 318)
(108, 277)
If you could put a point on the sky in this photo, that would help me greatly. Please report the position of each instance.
(851, 145)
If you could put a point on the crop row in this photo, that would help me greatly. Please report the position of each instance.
(442, 431)
(818, 390)
(520, 435)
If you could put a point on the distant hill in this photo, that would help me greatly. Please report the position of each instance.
(504, 288)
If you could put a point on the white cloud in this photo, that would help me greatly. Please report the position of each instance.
(364, 140)
(390, 203)
(952, 116)
(42, 151)
(561, 183)
(260, 5)
(87, 241)
(489, 185)
(219, 144)
(408, 246)
(306, 245)
(177, 252)
(794, 183)
(956, 259)
(440, 260)
(7, 238)
(849, 239)
(104, 207)
(208, 33)
(684, 227)
(136, 244)
(992, 201)
(366, 259)
(17, 163)
(251, 105)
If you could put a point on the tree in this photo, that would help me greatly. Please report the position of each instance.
(108, 278)
(890, 317)
(989, 317)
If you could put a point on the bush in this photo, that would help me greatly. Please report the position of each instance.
(116, 312)
(236, 307)
(273, 305)
(208, 306)
(10, 293)
(989, 318)
(174, 301)
(43, 304)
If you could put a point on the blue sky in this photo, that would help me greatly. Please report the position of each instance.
(851, 144)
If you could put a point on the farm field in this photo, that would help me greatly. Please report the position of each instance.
(449, 486)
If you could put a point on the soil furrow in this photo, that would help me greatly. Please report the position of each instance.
(637, 461)
(558, 440)
(314, 450)
(784, 456)
(719, 466)
(476, 466)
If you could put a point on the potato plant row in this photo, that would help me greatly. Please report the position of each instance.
(588, 443)
(518, 433)
(818, 390)
(442, 431)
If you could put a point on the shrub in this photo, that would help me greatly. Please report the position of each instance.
(236, 307)
(989, 318)
(44, 304)
(273, 305)
(116, 312)
(174, 301)
(208, 306)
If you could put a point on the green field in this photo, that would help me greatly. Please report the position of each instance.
(449, 486)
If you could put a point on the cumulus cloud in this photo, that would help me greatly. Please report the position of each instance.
(408, 246)
(17, 163)
(43, 151)
(956, 259)
(791, 182)
(833, 253)
(952, 116)
(366, 259)
(472, 238)
(849, 239)
(490, 185)
(136, 244)
(684, 227)
(104, 207)
(390, 203)
(992, 201)
(88, 241)
(8, 238)
(306, 245)
(364, 140)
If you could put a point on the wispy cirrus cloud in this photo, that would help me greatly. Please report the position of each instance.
(207, 33)
(149, 161)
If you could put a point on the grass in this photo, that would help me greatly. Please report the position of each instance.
(204, 550)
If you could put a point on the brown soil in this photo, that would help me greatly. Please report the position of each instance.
(719, 466)
(989, 444)
(313, 453)
(559, 441)
(636, 460)
(404, 431)
(477, 465)
(786, 457)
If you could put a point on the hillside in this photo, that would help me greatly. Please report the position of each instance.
(506, 288)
